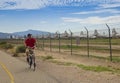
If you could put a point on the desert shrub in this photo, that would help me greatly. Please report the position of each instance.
(47, 57)
(1, 43)
(9, 46)
(5, 45)
(20, 49)
(15, 54)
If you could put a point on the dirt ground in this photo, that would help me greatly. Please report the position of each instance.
(73, 74)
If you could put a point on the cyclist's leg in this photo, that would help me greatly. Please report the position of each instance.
(33, 56)
(30, 61)
(34, 62)
(27, 55)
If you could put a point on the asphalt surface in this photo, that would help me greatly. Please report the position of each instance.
(13, 70)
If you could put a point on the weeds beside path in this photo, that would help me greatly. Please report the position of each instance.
(74, 69)
(92, 64)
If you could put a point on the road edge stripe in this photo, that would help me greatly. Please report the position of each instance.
(8, 72)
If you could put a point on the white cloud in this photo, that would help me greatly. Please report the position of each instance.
(65, 19)
(36, 4)
(113, 11)
(109, 5)
(93, 20)
(23, 4)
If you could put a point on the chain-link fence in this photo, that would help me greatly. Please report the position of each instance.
(103, 43)
(97, 43)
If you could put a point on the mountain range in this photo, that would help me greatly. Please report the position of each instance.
(4, 35)
(22, 34)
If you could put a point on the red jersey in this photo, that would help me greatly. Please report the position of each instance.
(30, 42)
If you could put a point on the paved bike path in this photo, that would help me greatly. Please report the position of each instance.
(13, 70)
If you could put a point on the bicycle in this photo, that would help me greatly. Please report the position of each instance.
(31, 58)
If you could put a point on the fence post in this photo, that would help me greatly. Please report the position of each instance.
(50, 42)
(59, 43)
(43, 40)
(71, 40)
(58, 37)
(110, 42)
(58, 34)
(66, 38)
(87, 41)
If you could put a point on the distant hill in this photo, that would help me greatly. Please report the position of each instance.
(22, 34)
(4, 35)
(33, 32)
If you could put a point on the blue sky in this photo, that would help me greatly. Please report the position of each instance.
(58, 15)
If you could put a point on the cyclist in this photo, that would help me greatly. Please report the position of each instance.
(30, 44)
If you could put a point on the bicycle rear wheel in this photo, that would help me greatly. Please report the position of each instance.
(30, 61)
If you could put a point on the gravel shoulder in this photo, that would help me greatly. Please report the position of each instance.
(73, 74)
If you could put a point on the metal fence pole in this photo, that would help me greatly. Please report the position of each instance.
(59, 43)
(71, 41)
(43, 41)
(87, 42)
(110, 42)
(50, 42)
